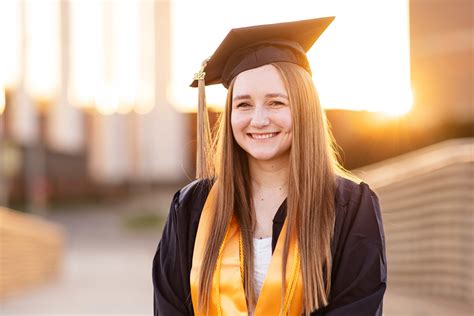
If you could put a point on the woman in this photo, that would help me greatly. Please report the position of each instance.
(273, 225)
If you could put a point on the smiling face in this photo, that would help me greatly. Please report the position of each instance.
(261, 116)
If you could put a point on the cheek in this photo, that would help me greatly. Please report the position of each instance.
(237, 121)
(285, 120)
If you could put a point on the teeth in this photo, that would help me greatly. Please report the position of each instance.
(263, 136)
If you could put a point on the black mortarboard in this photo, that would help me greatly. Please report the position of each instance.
(251, 47)
(247, 48)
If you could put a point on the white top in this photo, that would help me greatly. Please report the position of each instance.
(262, 253)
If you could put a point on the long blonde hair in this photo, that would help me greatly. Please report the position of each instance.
(311, 191)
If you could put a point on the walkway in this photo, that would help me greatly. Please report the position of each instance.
(107, 271)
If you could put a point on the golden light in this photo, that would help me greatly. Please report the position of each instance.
(143, 108)
(10, 33)
(112, 53)
(42, 51)
(396, 110)
(2, 100)
(86, 51)
(361, 62)
(125, 47)
(107, 100)
(146, 98)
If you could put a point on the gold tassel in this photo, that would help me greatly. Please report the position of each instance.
(203, 155)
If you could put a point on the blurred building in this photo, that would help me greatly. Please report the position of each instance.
(56, 144)
(108, 127)
(442, 49)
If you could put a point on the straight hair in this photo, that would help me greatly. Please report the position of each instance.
(310, 202)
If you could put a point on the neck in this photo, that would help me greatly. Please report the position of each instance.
(269, 175)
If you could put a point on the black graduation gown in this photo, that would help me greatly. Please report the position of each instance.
(359, 271)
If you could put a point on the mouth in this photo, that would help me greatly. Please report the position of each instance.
(262, 135)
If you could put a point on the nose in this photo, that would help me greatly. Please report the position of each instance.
(260, 117)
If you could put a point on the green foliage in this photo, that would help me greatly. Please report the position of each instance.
(144, 222)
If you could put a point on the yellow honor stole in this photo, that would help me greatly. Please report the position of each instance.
(227, 295)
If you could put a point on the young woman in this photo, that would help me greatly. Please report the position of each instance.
(273, 225)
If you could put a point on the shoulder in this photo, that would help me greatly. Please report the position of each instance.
(350, 192)
(194, 190)
(188, 201)
(359, 266)
(358, 211)
(181, 225)
(173, 258)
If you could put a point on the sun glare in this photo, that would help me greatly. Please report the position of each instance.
(399, 108)
(361, 62)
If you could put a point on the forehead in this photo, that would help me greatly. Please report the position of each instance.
(265, 79)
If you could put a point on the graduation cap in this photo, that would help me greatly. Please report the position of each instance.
(247, 48)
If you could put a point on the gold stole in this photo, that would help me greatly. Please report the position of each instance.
(227, 294)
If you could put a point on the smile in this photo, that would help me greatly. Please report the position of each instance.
(263, 136)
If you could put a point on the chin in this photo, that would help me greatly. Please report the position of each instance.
(264, 156)
(260, 158)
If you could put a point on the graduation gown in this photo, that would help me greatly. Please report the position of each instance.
(359, 269)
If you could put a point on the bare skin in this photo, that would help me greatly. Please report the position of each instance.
(269, 190)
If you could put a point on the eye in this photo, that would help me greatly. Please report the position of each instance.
(276, 103)
(243, 104)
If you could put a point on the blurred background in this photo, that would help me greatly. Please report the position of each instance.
(97, 132)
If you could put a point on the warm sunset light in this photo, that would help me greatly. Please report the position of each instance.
(10, 33)
(2, 100)
(86, 51)
(42, 52)
(400, 109)
(111, 56)
(360, 63)
(107, 101)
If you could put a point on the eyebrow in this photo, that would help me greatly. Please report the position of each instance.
(270, 95)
